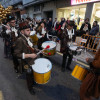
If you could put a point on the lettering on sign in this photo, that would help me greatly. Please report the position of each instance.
(75, 2)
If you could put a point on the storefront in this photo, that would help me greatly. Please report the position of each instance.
(78, 10)
(96, 13)
(76, 13)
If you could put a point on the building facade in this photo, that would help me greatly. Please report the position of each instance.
(18, 9)
(76, 10)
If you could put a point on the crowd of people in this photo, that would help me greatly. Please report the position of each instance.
(19, 46)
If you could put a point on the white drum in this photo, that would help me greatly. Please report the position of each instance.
(73, 50)
(42, 70)
(52, 50)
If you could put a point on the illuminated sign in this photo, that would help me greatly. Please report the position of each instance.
(75, 2)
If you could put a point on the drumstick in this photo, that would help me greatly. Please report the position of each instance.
(4, 25)
(47, 47)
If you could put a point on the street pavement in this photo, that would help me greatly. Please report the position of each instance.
(62, 86)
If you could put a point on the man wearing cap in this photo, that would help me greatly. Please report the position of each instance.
(11, 37)
(24, 50)
(66, 36)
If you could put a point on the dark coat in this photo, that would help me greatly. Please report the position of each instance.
(94, 30)
(21, 46)
(89, 26)
(91, 84)
(64, 37)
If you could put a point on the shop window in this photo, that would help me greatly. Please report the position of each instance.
(96, 13)
(76, 13)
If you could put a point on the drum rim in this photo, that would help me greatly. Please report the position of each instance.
(45, 71)
(73, 46)
(49, 42)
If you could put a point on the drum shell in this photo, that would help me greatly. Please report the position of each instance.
(73, 52)
(41, 78)
(34, 39)
(79, 73)
(50, 52)
(78, 52)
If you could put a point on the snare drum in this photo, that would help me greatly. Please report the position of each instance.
(52, 50)
(79, 73)
(42, 70)
(73, 50)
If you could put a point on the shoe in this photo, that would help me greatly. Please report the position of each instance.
(32, 91)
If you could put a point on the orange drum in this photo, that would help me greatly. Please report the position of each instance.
(79, 73)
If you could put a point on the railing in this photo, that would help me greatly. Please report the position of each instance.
(89, 42)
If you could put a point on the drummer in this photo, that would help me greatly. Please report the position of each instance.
(91, 84)
(23, 50)
(66, 35)
(41, 34)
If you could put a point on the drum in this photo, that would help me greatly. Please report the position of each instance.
(79, 73)
(34, 37)
(42, 70)
(52, 50)
(73, 50)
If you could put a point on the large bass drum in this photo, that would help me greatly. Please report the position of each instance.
(42, 70)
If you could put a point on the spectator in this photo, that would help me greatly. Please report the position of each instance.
(57, 27)
(55, 22)
(49, 24)
(95, 28)
(62, 21)
(86, 27)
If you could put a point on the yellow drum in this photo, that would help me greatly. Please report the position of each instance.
(42, 70)
(34, 37)
(52, 50)
(79, 73)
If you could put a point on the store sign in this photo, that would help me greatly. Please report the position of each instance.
(75, 2)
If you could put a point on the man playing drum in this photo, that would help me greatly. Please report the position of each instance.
(24, 50)
(90, 86)
(66, 35)
(10, 39)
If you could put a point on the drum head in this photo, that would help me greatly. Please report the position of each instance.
(75, 44)
(42, 65)
(73, 48)
(52, 44)
(32, 33)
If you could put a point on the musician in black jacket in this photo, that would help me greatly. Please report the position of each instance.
(66, 35)
(11, 37)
